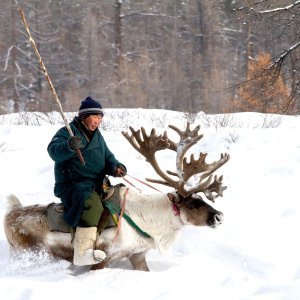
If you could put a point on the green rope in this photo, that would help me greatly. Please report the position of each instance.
(116, 210)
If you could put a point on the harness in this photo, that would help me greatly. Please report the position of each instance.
(116, 210)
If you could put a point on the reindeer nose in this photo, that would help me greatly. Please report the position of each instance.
(218, 218)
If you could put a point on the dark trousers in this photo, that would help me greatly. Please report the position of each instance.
(92, 211)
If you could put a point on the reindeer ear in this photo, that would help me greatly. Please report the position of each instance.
(173, 197)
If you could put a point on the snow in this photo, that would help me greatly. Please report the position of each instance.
(254, 254)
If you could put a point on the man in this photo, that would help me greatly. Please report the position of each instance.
(80, 186)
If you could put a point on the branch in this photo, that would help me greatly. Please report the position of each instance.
(143, 14)
(290, 99)
(8, 55)
(19, 69)
(285, 53)
(278, 9)
(269, 68)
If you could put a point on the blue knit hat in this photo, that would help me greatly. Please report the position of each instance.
(88, 107)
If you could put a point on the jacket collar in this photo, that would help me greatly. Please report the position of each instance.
(87, 133)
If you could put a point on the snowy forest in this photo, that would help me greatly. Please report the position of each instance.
(188, 55)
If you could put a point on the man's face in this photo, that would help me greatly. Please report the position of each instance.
(92, 122)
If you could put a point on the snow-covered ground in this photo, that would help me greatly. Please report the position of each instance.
(254, 254)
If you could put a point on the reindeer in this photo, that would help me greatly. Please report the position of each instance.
(161, 216)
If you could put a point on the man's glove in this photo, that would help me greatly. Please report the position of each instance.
(75, 142)
(120, 171)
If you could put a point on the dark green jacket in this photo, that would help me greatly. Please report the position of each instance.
(74, 182)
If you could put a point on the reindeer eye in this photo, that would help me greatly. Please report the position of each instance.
(192, 203)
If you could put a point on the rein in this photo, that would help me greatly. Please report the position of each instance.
(140, 181)
(175, 208)
(126, 180)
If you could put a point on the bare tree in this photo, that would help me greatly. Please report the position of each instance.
(277, 33)
(11, 73)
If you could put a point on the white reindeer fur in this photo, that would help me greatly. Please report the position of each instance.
(153, 214)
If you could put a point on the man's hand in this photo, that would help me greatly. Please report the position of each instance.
(120, 171)
(75, 143)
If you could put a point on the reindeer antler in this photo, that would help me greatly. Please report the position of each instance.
(147, 145)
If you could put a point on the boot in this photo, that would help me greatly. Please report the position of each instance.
(84, 253)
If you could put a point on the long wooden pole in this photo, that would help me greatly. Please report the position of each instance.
(48, 78)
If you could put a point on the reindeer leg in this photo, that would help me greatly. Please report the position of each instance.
(101, 265)
(138, 261)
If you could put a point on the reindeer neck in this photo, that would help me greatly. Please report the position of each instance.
(152, 212)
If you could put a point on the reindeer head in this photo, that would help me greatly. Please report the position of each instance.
(193, 210)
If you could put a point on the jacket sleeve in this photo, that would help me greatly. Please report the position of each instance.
(58, 148)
